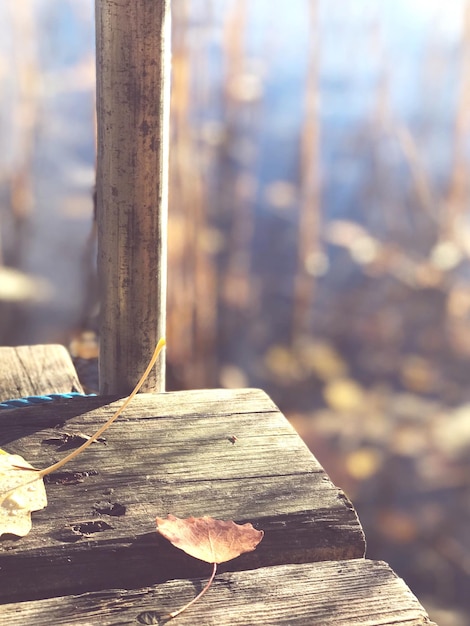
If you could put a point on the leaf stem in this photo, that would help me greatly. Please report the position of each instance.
(100, 431)
(175, 613)
(39, 474)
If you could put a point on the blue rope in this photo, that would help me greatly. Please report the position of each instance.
(31, 400)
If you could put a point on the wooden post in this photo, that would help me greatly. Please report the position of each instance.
(133, 102)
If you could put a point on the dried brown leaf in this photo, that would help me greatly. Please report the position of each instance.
(209, 539)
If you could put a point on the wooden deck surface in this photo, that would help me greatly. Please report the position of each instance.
(230, 454)
(342, 593)
(168, 453)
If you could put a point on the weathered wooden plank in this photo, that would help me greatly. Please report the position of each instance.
(349, 593)
(35, 370)
(169, 453)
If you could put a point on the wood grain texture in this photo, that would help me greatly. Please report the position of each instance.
(169, 453)
(133, 105)
(348, 593)
(36, 370)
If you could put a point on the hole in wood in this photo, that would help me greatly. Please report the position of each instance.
(105, 507)
(88, 528)
(76, 532)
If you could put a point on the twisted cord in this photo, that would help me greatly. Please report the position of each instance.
(32, 400)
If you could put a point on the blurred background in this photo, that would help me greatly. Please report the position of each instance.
(319, 236)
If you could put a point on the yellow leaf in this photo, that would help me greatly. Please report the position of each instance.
(363, 463)
(322, 359)
(283, 364)
(344, 394)
(419, 374)
(397, 526)
(20, 494)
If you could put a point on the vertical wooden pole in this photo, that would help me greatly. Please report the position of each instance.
(133, 102)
